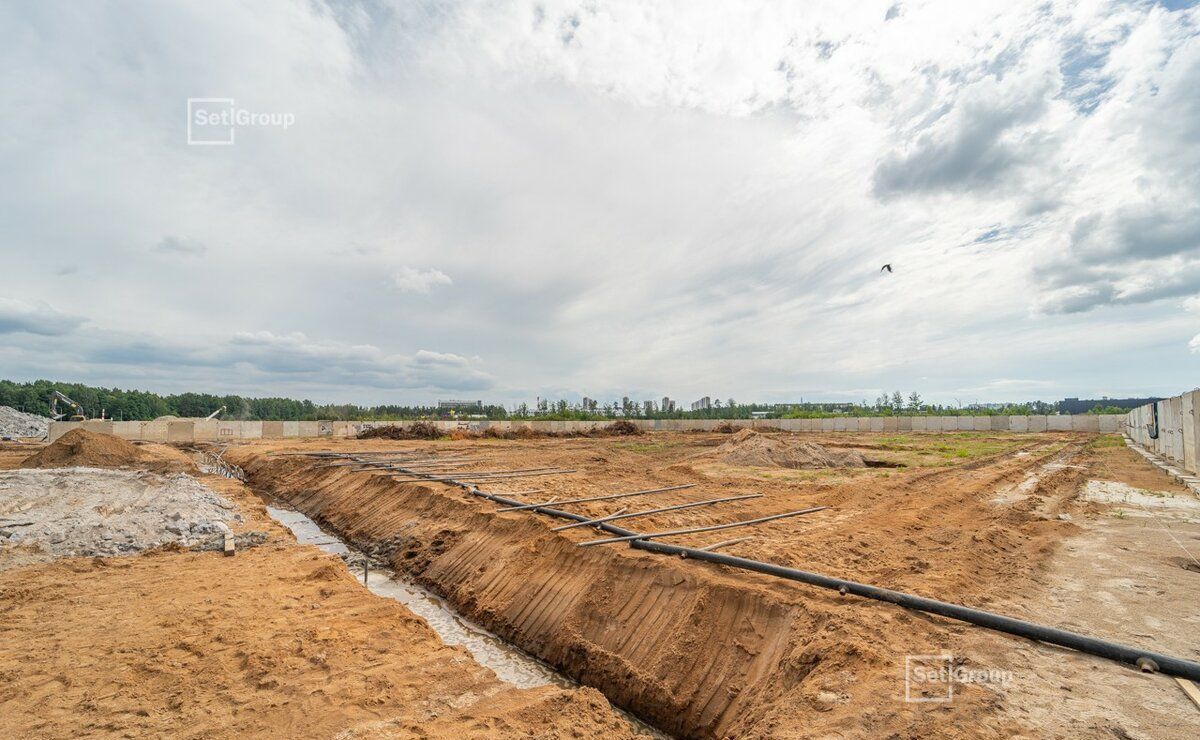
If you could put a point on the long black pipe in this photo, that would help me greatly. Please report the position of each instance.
(1144, 659)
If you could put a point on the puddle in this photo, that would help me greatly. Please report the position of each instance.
(509, 663)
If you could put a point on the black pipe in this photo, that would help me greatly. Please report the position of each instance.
(1143, 659)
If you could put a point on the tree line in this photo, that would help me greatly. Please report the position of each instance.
(134, 405)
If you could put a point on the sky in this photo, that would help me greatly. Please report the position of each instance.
(504, 200)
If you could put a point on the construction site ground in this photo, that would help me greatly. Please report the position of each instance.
(279, 640)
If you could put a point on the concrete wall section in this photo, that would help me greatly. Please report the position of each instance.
(1175, 436)
(1174, 442)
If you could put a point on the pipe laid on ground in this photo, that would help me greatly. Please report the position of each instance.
(465, 477)
(607, 497)
(713, 527)
(723, 543)
(1144, 659)
(615, 515)
(648, 512)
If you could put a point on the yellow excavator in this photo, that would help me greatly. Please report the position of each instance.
(55, 397)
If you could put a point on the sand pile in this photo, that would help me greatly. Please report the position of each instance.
(15, 423)
(748, 448)
(80, 448)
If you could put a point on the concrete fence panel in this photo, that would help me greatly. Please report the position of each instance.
(205, 430)
(1059, 423)
(181, 431)
(1187, 428)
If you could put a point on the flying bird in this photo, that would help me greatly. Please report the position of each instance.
(887, 267)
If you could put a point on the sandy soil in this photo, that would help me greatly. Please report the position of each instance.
(278, 641)
(274, 642)
(700, 650)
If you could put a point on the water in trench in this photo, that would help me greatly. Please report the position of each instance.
(509, 663)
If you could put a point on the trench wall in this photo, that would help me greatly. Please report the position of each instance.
(1169, 428)
(199, 430)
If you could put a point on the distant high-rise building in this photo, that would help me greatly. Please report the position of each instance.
(648, 406)
(667, 405)
(704, 404)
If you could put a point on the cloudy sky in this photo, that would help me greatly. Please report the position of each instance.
(506, 199)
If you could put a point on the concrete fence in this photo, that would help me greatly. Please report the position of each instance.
(1169, 428)
(198, 430)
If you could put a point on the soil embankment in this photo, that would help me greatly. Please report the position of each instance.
(80, 448)
(699, 650)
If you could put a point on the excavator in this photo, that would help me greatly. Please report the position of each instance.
(55, 397)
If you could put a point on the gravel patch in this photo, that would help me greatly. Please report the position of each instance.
(15, 424)
(67, 512)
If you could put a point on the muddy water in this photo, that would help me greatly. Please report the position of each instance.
(509, 663)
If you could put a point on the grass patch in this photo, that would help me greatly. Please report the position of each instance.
(939, 450)
(1106, 440)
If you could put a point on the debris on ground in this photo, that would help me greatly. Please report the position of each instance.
(82, 448)
(748, 448)
(426, 430)
(416, 430)
(14, 424)
(69, 512)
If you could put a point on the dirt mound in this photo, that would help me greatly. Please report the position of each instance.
(80, 448)
(748, 448)
(620, 429)
(416, 430)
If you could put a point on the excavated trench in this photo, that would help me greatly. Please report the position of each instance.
(686, 649)
(698, 649)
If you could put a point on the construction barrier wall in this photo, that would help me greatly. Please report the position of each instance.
(1169, 428)
(201, 430)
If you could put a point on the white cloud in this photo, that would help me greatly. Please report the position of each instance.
(411, 280)
(34, 317)
(680, 198)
